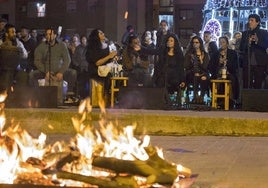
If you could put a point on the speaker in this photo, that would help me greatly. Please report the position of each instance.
(39, 97)
(255, 100)
(47, 96)
(141, 98)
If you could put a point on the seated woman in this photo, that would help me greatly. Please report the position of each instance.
(225, 65)
(169, 71)
(196, 67)
(135, 67)
(98, 53)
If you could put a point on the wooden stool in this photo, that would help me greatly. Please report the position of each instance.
(225, 95)
(116, 89)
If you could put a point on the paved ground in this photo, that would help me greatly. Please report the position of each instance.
(221, 162)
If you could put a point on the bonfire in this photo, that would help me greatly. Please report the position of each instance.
(104, 155)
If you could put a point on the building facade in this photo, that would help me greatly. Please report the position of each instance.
(112, 16)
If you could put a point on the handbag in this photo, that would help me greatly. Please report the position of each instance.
(104, 70)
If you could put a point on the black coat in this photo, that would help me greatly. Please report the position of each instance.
(232, 62)
(259, 48)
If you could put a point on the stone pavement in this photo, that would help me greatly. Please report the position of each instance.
(220, 162)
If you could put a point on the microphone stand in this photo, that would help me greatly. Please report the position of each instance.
(49, 58)
(249, 61)
(195, 65)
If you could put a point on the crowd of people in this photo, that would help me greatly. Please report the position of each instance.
(155, 58)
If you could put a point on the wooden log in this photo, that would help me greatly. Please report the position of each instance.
(167, 171)
(117, 182)
(66, 158)
(35, 162)
(156, 161)
(74, 155)
(137, 167)
(55, 156)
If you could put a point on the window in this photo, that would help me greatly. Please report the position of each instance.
(36, 9)
(169, 19)
(186, 14)
(71, 5)
(186, 32)
(92, 5)
(166, 7)
(164, 3)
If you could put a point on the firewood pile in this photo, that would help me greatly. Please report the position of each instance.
(122, 173)
(89, 160)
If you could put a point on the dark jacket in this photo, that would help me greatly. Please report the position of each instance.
(258, 48)
(232, 62)
(190, 63)
(169, 70)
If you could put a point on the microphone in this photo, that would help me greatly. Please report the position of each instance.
(195, 46)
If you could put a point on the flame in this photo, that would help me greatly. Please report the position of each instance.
(18, 147)
(3, 96)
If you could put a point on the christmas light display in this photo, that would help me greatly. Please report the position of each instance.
(232, 15)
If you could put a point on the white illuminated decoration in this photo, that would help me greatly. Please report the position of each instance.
(214, 27)
(233, 14)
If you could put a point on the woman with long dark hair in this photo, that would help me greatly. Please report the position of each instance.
(196, 67)
(169, 71)
(98, 53)
(226, 59)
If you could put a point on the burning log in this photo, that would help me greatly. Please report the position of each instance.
(73, 155)
(7, 142)
(117, 182)
(65, 158)
(137, 167)
(155, 169)
(36, 162)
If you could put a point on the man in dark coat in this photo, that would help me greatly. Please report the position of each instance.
(253, 46)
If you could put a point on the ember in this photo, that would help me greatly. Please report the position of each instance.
(98, 156)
